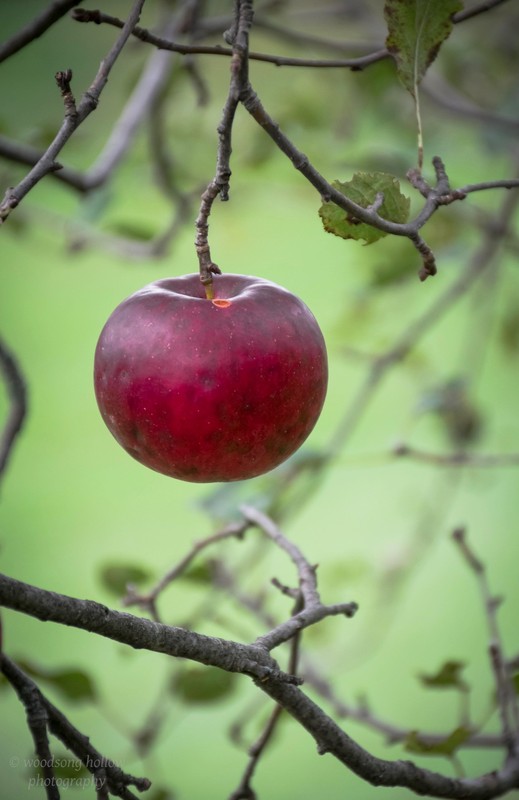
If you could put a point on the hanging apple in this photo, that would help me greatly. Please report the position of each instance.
(211, 390)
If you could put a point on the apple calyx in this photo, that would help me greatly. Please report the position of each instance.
(221, 303)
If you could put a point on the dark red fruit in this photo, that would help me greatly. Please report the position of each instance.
(211, 390)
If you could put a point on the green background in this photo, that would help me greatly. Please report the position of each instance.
(72, 501)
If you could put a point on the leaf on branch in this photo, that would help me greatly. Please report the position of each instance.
(203, 684)
(202, 572)
(116, 577)
(447, 677)
(452, 403)
(509, 329)
(363, 189)
(447, 747)
(416, 31)
(138, 231)
(161, 794)
(73, 684)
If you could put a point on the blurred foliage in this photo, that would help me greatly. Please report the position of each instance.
(116, 577)
(79, 517)
(71, 684)
(447, 747)
(447, 677)
(203, 684)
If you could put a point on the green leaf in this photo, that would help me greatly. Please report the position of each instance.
(202, 572)
(116, 577)
(414, 743)
(454, 406)
(139, 231)
(203, 684)
(509, 329)
(73, 684)
(363, 190)
(416, 31)
(161, 794)
(447, 677)
(515, 682)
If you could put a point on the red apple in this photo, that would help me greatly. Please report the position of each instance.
(211, 390)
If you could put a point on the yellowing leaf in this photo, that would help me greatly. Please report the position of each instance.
(416, 31)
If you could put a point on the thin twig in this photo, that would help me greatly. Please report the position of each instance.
(481, 260)
(505, 691)
(17, 392)
(162, 43)
(355, 64)
(468, 13)
(36, 27)
(47, 718)
(462, 458)
(89, 101)
(219, 186)
(244, 790)
(149, 600)
(252, 660)
(313, 610)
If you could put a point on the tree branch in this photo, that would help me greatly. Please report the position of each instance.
(162, 43)
(505, 691)
(88, 103)
(36, 27)
(149, 600)
(219, 186)
(312, 609)
(255, 661)
(17, 392)
(458, 459)
(43, 716)
(480, 260)
(134, 631)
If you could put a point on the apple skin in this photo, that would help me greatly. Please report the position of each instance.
(211, 390)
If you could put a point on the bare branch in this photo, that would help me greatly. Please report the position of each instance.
(88, 103)
(446, 96)
(36, 27)
(462, 458)
(134, 631)
(255, 661)
(468, 13)
(17, 392)
(43, 716)
(244, 790)
(219, 186)
(355, 64)
(313, 610)
(149, 600)
(506, 696)
(481, 260)
(162, 43)
(363, 714)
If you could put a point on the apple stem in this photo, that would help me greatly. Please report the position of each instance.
(209, 290)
